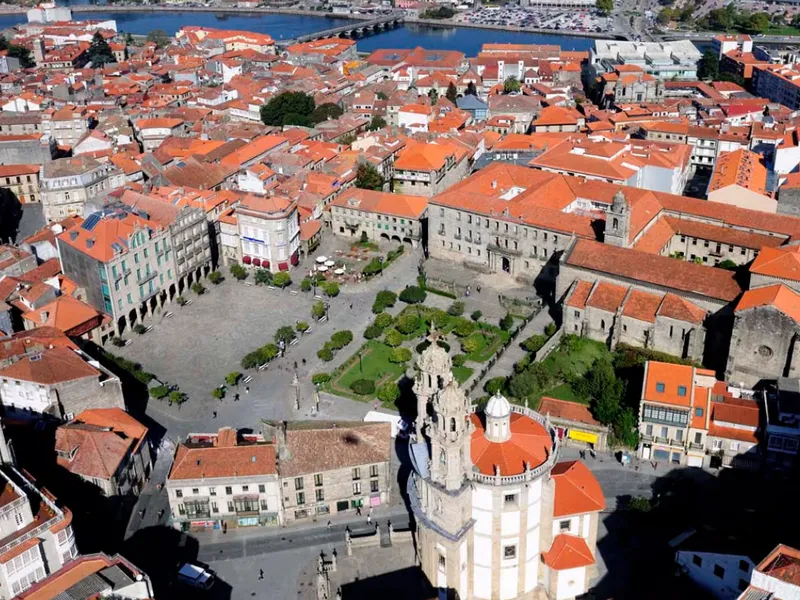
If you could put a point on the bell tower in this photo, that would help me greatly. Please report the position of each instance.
(450, 433)
(434, 374)
(618, 222)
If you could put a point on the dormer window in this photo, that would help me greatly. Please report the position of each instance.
(660, 387)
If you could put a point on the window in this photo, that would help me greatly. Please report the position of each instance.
(679, 435)
(510, 499)
(298, 483)
(264, 505)
(648, 430)
(374, 486)
(320, 495)
(698, 438)
(262, 488)
(697, 560)
(744, 566)
(665, 432)
(228, 490)
(356, 473)
(301, 498)
(563, 525)
(214, 507)
(509, 552)
(356, 488)
(442, 561)
(743, 583)
(660, 387)
(734, 446)
(719, 571)
(373, 470)
(179, 493)
(681, 390)
(245, 488)
(698, 412)
(195, 491)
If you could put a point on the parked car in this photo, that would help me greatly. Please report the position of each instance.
(196, 576)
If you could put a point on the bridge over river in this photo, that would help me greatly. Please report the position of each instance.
(353, 30)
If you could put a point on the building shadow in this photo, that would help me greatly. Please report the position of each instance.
(11, 210)
(404, 584)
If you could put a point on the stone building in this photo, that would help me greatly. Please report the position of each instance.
(269, 231)
(380, 215)
(56, 382)
(628, 84)
(225, 479)
(68, 184)
(427, 169)
(21, 181)
(27, 149)
(107, 448)
(66, 125)
(326, 470)
(489, 526)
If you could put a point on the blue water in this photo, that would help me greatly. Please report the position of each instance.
(280, 27)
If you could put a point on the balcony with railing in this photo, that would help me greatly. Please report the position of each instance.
(494, 247)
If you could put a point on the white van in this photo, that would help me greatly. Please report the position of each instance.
(196, 576)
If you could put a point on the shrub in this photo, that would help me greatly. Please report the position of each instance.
(459, 360)
(456, 309)
(469, 345)
(386, 298)
(640, 504)
(331, 288)
(140, 329)
(198, 288)
(413, 295)
(464, 328)
(495, 385)
(266, 353)
(251, 360)
(476, 316)
(263, 277)
(159, 392)
(118, 342)
(320, 378)
(284, 333)
(233, 378)
(393, 338)
(177, 397)
(407, 323)
(181, 301)
(372, 332)
(217, 393)
(373, 267)
(507, 322)
(550, 329)
(440, 318)
(301, 326)
(400, 355)
(318, 309)
(363, 387)
(305, 285)
(383, 320)
(340, 339)
(239, 272)
(282, 280)
(389, 392)
(215, 277)
(423, 345)
(325, 354)
(378, 308)
(534, 343)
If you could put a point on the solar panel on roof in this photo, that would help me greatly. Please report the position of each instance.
(91, 222)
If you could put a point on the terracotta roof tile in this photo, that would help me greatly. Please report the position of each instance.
(570, 411)
(778, 296)
(577, 299)
(568, 552)
(51, 366)
(400, 205)
(668, 383)
(681, 309)
(607, 297)
(783, 263)
(223, 461)
(529, 442)
(642, 306)
(577, 490)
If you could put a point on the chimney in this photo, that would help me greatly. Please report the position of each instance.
(494, 184)
(226, 438)
(44, 314)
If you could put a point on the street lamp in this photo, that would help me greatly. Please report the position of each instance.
(360, 366)
(380, 263)
(327, 306)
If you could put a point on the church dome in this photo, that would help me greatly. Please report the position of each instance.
(497, 407)
(434, 359)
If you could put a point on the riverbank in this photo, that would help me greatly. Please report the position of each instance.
(459, 24)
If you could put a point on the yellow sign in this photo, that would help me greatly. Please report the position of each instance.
(582, 436)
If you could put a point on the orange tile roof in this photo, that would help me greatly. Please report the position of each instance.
(700, 400)
(722, 234)
(529, 443)
(577, 299)
(781, 263)
(223, 461)
(642, 306)
(53, 365)
(64, 313)
(428, 157)
(740, 167)
(568, 552)
(783, 563)
(400, 205)
(113, 229)
(745, 413)
(778, 296)
(655, 238)
(71, 574)
(569, 411)
(577, 490)
(681, 309)
(162, 123)
(607, 297)
(674, 378)
(309, 229)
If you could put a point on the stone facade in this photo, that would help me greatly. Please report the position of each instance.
(68, 184)
(32, 149)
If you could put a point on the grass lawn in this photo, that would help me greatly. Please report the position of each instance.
(577, 358)
(564, 392)
(787, 30)
(490, 339)
(462, 373)
(375, 366)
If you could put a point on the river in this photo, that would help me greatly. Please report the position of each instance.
(279, 26)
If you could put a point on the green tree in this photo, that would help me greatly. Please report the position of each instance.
(413, 295)
(495, 385)
(464, 328)
(305, 285)
(708, 67)
(217, 393)
(383, 320)
(181, 301)
(407, 323)
(288, 108)
(624, 427)
(472, 89)
(372, 332)
(325, 354)
(758, 22)
(340, 339)
(21, 53)
(456, 309)
(368, 177)
(433, 94)
(393, 338)
(251, 360)
(452, 93)
(239, 272)
(549, 330)
(476, 315)
(325, 112)
(215, 277)
(301, 326)
(282, 279)
(318, 310)
(470, 345)
(389, 392)
(507, 322)
(177, 397)
(331, 288)
(386, 298)
(605, 6)
(511, 84)
(284, 333)
(262, 276)
(198, 288)
(400, 355)
(665, 16)
(320, 378)
(382, 96)
(159, 392)
(99, 52)
(233, 378)
(376, 123)
(363, 387)
(159, 37)
(266, 353)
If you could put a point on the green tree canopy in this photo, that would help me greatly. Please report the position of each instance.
(288, 108)
(708, 67)
(238, 272)
(282, 279)
(99, 51)
(376, 123)
(452, 93)
(284, 333)
(433, 94)
(389, 392)
(21, 53)
(472, 90)
(368, 177)
(511, 84)
(159, 37)
(326, 111)
(605, 6)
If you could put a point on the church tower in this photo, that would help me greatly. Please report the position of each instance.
(618, 222)
(434, 374)
(450, 434)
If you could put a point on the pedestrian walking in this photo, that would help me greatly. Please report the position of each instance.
(236, 397)
(329, 526)
(247, 390)
(304, 361)
(351, 306)
(358, 511)
(295, 365)
(215, 414)
(369, 519)
(479, 289)
(261, 574)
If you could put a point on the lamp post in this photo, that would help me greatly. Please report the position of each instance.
(360, 366)
(380, 262)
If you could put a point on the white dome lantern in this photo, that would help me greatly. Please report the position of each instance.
(498, 419)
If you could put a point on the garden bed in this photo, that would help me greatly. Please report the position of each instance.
(375, 366)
